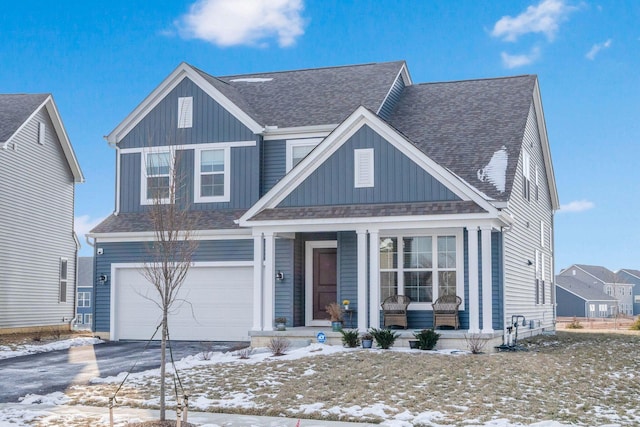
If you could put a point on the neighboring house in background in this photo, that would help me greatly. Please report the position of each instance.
(38, 247)
(632, 276)
(610, 283)
(312, 186)
(579, 299)
(84, 299)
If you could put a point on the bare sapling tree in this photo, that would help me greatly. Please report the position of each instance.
(173, 246)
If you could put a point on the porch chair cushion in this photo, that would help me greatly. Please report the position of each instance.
(394, 310)
(445, 311)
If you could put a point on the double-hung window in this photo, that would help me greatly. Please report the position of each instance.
(64, 267)
(156, 182)
(298, 149)
(84, 299)
(421, 267)
(526, 175)
(212, 175)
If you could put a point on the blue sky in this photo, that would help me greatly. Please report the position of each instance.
(99, 60)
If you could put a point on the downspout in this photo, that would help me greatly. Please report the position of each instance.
(74, 319)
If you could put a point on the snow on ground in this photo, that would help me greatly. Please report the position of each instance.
(14, 416)
(24, 349)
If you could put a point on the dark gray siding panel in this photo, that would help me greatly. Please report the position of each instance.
(397, 178)
(464, 315)
(498, 286)
(211, 122)
(392, 99)
(298, 283)
(569, 304)
(285, 292)
(137, 252)
(274, 158)
(130, 182)
(348, 273)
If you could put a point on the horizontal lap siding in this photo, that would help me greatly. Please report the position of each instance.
(523, 238)
(333, 182)
(570, 304)
(137, 252)
(36, 229)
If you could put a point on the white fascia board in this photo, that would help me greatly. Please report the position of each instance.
(67, 148)
(149, 236)
(168, 84)
(360, 117)
(546, 150)
(316, 131)
(378, 223)
(31, 116)
(201, 146)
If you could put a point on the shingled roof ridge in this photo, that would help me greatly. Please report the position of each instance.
(479, 79)
(314, 69)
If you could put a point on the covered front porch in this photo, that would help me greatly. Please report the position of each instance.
(299, 269)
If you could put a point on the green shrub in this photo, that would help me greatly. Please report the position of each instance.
(636, 325)
(350, 337)
(574, 324)
(384, 338)
(427, 339)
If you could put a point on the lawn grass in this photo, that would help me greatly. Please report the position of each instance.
(586, 379)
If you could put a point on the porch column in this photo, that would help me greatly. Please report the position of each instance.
(258, 250)
(269, 281)
(474, 299)
(362, 280)
(374, 279)
(487, 297)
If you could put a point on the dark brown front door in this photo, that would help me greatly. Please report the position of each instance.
(324, 281)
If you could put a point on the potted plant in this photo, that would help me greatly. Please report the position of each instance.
(345, 303)
(367, 340)
(281, 323)
(350, 337)
(427, 339)
(384, 337)
(335, 314)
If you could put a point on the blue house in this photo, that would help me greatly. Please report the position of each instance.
(582, 299)
(630, 275)
(312, 186)
(84, 293)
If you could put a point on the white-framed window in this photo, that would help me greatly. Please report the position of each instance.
(298, 149)
(157, 177)
(538, 275)
(42, 133)
(84, 299)
(64, 271)
(542, 233)
(88, 318)
(592, 310)
(363, 165)
(603, 309)
(212, 183)
(185, 112)
(422, 267)
(526, 175)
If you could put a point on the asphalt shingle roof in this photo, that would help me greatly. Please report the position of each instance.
(126, 222)
(602, 273)
(587, 291)
(462, 124)
(15, 109)
(310, 97)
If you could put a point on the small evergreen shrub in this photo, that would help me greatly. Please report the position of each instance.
(427, 339)
(350, 337)
(636, 325)
(384, 338)
(574, 324)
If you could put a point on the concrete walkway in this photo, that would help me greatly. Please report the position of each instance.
(123, 414)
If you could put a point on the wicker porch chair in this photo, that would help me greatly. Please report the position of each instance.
(445, 311)
(394, 310)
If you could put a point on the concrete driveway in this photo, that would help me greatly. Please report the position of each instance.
(45, 373)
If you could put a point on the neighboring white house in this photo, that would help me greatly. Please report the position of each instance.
(38, 247)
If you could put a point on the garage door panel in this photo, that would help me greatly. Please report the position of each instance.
(214, 303)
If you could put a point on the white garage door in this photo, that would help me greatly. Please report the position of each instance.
(213, 304)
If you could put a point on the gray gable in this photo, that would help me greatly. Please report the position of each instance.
(602, 273)
(586, 291)
(85, 272)
(15, 109)
(310, 97)
(460, 125)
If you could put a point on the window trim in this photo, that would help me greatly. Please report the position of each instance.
(293, 143)
(63, 282)
(143, 174)
(459, 269)
(88, 319)
(367, 155)
(86, 299)
(197, 198)
(526, 175)
(185, 112)
(42, 133)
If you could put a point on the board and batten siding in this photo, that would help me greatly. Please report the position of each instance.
(523, 239)
(332, 183)
(284, 289)
(211, 122)
(274, 164)
(347, 266)
(138, 252)
(36, 229)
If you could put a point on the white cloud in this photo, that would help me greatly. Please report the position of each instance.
(544, 18)
(247, 22)
(597, 48)
(83, 224)
(577, 206)
(514, 61)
